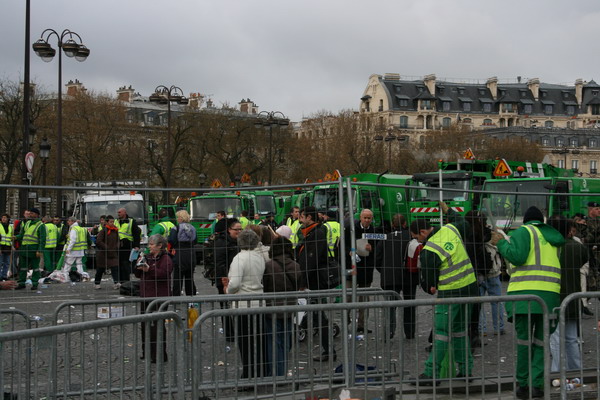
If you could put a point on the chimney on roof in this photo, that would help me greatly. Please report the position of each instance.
(74, 88)
(390, 76)
(247, 106)
(534, 86)
(429, 81)
(125, 94)
(579, 91)
(195, 100)
(492, 85)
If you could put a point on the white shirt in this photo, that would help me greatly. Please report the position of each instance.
(245, 276)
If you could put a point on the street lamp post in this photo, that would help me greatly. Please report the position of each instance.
(67, 43)
(166, 95)
(44, 154)
(269, 120)
(24, 193)
(389, 138)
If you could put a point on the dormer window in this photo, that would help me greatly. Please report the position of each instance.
(595, 92)
(420, 89)
(544, 93)
(461, 90)
(482, 92)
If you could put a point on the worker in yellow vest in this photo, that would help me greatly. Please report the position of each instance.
(51, 243)
(33, 241)
(130, 236)
(333, 232)
(294, 223)
(244, 219)
(533, 253)
(164, 225)
(6, 238)
(446, 270)
(76, 246)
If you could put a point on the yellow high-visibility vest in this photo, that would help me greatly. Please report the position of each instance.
(456, 271)
(541, 270)
(125, 230)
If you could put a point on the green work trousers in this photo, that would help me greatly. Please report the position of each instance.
(450, 327)
(537, 350)
(28, 260)
(49, 259)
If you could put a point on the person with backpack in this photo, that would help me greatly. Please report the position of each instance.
(395, 274)
(182, 238)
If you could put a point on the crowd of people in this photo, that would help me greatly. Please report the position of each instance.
(462, 258)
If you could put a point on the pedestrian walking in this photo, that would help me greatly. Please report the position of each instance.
(155, 275)
(107, 251)
(572, 256)
(182, 238)
(245, 277)
(32, 237)
(6, 240)
(77, 244)
(446, 270)
(130, 236)
(533, 252)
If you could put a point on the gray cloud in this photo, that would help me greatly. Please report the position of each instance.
(300, 57)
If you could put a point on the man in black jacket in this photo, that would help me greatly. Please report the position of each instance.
(312, 256)
(226, 248)
(372, 256)
(396, 275)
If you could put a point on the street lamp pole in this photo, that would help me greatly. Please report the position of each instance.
(269, 120)
(166, 95)
(68, 45)
(44, 154)
(23, 193)
(389, 138)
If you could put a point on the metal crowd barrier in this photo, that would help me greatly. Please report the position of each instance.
(578, 381)
(378, 362)
(104, 363)
(13, 321)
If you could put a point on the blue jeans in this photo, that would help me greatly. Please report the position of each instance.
(4, 265)
(571, 347)
(283, 344)
(493, 287)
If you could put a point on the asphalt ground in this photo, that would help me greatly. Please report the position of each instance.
(496, 353)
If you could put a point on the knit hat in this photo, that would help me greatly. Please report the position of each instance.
(533, 214)
(284, 231)
(593, 204)
(34, 210)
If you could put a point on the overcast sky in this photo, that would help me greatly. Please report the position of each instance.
(300, 57)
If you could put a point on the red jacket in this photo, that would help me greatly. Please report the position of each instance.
(157, 281)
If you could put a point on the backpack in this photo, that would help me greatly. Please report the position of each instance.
(185, 232)
(209, 264)
(130, 288)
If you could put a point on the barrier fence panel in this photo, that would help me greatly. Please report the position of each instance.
(12, 321)
(380, 363)
(577, 348)
(96, 359)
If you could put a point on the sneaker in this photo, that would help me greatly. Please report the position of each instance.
(117, 286)
(424, 380)
(463, 377)
(97, 287)
(20, 286)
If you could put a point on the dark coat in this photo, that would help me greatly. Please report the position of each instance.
(312, 257)
(157, 281)
(283, 274)
(366, 266)
(185, 254)
(394, 258)
(572, 256)
(107, 246)
(225, 249)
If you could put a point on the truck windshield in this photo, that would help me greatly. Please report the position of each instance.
(206, 209)
(423, 194)
(327, 199)
(93, 210)
(507, 209)
(265, 205)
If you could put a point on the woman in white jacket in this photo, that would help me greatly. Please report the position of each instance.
(245, 277)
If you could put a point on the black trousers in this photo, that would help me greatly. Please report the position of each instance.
(408, 288)
(251, 344)
(153, 337)
(124, 263)
(183, 279)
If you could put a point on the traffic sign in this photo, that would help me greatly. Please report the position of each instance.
(45, 199)
(216, 183)
(468, 154)
(29, 158)
(502, 169)
(246, 178)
